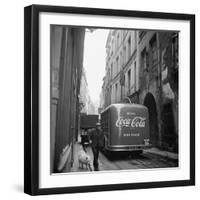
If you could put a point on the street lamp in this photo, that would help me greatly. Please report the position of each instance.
(128, 99)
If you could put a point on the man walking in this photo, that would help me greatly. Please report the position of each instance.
(96, 137)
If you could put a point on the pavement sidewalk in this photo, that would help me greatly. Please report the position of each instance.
(166, 154)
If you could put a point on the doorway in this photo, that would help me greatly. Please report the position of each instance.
(150, 103)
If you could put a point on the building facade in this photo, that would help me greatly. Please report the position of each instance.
(66, 68)
(86, 104)
(121, 78)
(142, 67)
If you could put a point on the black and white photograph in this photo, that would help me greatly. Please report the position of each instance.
(114, 99)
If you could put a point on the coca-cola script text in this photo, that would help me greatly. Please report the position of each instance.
(133, 122)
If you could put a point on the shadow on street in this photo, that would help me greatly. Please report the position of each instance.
(115, 156)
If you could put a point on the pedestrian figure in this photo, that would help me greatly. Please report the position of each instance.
(96, 137)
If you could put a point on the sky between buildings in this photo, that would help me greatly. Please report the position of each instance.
(95, 61)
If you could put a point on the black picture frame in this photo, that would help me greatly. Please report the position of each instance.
(31, 98)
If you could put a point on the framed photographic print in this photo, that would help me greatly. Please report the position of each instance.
(109, 99)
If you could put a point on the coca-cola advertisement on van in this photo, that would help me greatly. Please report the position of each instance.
(131, 125)
(137, 121)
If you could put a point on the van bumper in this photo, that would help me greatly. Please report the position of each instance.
(127, 147)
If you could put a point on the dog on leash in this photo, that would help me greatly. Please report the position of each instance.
(84, 160)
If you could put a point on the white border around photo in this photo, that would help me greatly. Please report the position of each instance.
(46, 180)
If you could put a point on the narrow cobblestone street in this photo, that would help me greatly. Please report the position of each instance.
(131, 104)
(124, 161)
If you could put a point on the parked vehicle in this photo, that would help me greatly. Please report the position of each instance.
(125, 127)
(87, 122)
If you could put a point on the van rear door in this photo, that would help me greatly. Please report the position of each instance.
(130, 125)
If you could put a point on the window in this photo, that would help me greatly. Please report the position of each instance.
(144, 59)
(129, 47)
(118, 42)
(108, 74)
(134, 41)
(135, 75)
(117, 64)
(142, 34)
(123, 88)
(124, 60)
(112, 47)
(116, 92)
(135, 38)
(153, 44)
(113, 94)
(129, 80)
(111, 70)
(121, 60)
